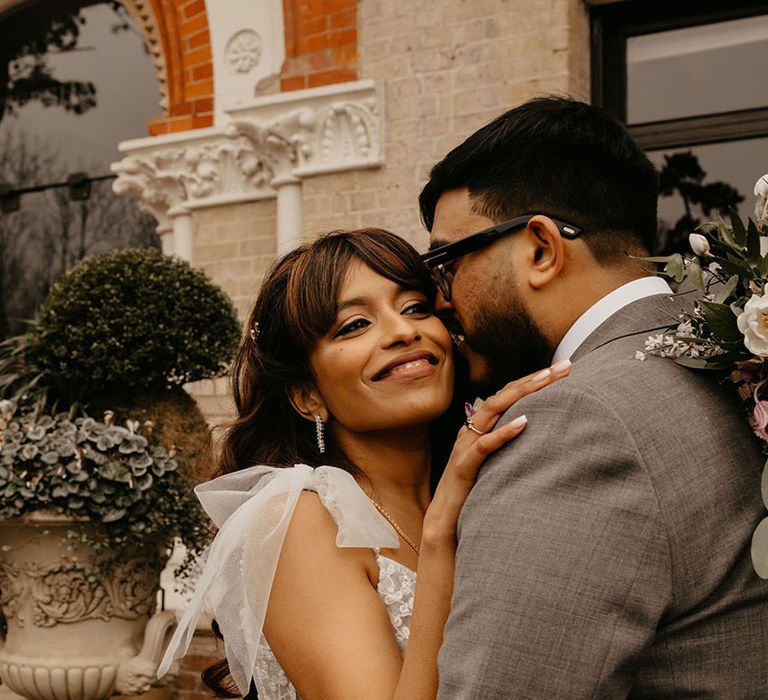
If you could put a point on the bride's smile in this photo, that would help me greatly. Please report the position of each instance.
(412, 365)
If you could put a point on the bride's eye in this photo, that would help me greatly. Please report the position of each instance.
(418, 308)
(351, 327)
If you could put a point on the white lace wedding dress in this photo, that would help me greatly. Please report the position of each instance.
(252, 509)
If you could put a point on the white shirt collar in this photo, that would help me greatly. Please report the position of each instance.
(602, 310)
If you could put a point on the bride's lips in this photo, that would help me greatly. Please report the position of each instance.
(411, 365)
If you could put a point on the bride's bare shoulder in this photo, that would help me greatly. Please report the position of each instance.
(310, 542)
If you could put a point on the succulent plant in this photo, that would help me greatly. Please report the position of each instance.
(107, 474)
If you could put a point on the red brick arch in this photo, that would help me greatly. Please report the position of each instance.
(320, 43)
(320, 49)
(182, 26)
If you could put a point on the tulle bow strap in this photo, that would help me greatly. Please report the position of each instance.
(252, 509)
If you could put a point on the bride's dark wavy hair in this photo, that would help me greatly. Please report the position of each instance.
(296, 306)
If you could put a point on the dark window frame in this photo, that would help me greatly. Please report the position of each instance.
(613, 23)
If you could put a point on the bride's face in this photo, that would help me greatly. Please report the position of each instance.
(387, 361)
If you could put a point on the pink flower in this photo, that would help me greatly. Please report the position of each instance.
(761, 415)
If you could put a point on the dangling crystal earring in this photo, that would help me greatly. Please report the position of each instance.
(319, 433)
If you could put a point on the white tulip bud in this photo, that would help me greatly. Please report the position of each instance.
(699, 244)
(761, 204)
(761, 187)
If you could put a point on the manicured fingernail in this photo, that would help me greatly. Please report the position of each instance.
(519, 422)
(560, 366)
(541, 376)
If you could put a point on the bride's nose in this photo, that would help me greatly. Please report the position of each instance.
(397, 328)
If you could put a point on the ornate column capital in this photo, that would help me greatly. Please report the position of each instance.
(177, 173)
(330, 129)
(273, 140)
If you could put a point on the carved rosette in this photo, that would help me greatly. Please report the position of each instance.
(243, 51)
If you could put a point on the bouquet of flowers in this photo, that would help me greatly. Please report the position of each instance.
(727, 331)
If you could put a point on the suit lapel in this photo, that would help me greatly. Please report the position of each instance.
(646, 316)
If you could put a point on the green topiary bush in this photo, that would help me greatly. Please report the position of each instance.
(131, 320)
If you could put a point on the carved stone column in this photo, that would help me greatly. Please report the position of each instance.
(264, 151)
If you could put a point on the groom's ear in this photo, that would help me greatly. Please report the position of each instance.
(307, 402)
(545, 253)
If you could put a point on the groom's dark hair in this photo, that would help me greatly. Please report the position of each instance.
(560, 157)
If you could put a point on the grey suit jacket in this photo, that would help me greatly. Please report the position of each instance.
(605, 552)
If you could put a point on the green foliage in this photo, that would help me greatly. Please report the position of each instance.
(109, 474)
(128, 320)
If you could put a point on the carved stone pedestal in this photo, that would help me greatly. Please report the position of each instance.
(73, 632)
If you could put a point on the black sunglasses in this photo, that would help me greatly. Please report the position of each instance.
(437, 259)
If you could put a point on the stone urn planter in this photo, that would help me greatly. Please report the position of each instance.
(75, 632)
(95, 425)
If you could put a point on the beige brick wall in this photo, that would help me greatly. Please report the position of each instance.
(234, 245)
(446, 67)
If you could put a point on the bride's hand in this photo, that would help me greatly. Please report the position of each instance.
(471, 449)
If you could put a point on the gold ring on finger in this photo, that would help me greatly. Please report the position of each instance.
(471, 426)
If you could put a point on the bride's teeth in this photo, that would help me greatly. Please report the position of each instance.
(409, 365)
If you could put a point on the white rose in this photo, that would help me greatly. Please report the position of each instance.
(753, 323)
(699, 244)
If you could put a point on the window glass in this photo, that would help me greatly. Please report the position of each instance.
(707, 69)
(734, 164)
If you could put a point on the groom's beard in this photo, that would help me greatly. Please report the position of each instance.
(510, 342)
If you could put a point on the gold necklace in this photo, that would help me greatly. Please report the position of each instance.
(392, 522)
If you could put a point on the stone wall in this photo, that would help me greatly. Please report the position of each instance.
(234, 246)
(445, 69)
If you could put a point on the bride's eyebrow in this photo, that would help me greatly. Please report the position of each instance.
(364, 301)
(356, 301)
